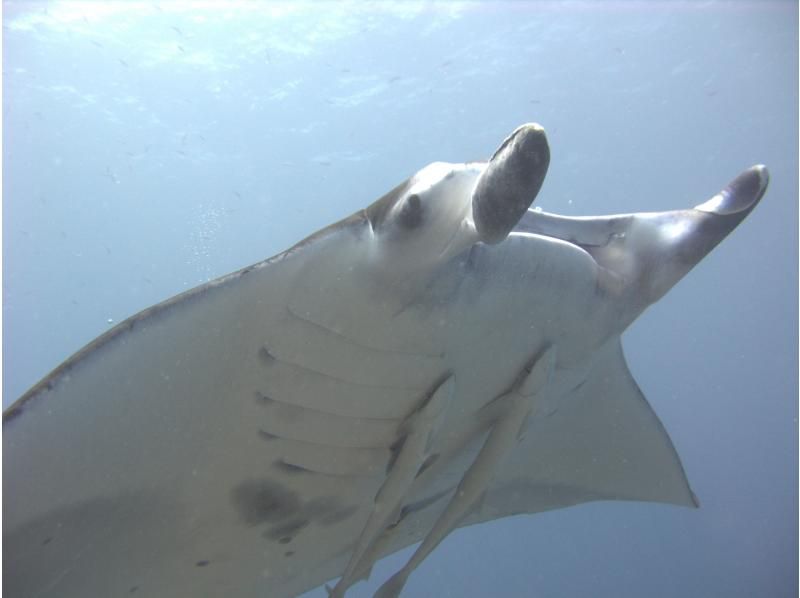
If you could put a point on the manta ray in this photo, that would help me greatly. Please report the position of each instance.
(444, 357)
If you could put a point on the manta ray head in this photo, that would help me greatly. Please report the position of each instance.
(445, 208)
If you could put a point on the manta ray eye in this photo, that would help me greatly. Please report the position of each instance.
(410, 215)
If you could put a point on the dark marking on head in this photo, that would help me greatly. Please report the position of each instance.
(338, 515)
(265, 357)
(201, 563)
(289, 468)
(411, 212)
(289, 553)
(264, 501)
(377, 212)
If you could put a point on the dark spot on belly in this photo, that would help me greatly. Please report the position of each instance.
(289, 553)
(267, 501)
(47, 541)
(133, 589)
(201, 563)
(264, 501)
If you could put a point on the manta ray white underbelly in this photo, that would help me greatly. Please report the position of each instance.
(443, 357)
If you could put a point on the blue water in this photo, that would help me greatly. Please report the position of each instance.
(149, 147)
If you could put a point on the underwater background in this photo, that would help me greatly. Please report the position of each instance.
(151, 146)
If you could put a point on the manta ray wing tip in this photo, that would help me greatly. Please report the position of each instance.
(741, 194)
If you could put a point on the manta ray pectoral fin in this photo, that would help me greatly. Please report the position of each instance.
(412, 452)
(519, 402)
(603, 443)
